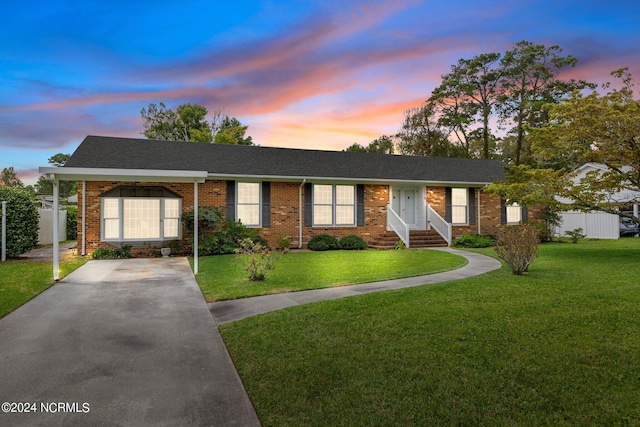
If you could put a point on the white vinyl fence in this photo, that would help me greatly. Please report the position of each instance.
(45, 235)
(595, 225)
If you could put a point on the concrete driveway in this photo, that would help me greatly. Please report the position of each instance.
(119, 343)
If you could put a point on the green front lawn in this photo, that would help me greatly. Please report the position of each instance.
(558, 346)
(21, 280)
(223, 277)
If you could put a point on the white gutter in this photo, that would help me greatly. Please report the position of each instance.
(300, 210)
(108, 174)
(195, 228)
(325, 179)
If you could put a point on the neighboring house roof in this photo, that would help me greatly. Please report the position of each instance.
(228, 161)
(621, 196)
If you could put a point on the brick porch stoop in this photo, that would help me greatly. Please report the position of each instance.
(417, 239)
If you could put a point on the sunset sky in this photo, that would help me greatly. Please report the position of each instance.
(304, 74)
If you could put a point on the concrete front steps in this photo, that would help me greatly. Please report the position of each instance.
(417, 239)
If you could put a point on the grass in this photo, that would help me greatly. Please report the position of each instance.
(223, 277)
(558, 346)
(21, 280)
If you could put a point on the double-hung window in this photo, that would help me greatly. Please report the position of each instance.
(334, 205)
(513, 213)
(459, 206)
(248, 207)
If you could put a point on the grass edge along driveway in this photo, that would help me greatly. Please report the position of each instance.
(21, 280)
(222, 277)
(557, 346)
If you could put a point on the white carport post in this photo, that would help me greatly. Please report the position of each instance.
(195, 227)
(56, 219)
(635, 211)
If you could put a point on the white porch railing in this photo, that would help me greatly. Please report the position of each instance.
(439, 224)
(395, 223)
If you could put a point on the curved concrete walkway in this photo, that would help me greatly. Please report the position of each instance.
(229, 311)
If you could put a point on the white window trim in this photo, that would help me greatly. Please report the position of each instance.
(259, 224)
(120, 219)
(334, 204)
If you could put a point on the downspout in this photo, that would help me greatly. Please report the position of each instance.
(195, 227)
(84, 215)
(300, 210)
(478, 211)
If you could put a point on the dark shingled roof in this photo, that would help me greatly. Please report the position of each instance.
(232, 160)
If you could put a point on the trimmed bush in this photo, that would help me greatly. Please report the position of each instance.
(22, 221)
(323, 242)
(353, 243)
(117, 253)
(474, 241)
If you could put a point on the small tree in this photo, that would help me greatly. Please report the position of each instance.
(517, 245)
(22, 221)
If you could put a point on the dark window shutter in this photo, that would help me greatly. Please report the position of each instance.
(266, 204)
(308, 205)
(525, 214)
(360, 205)
(231, 200)
(503, 211)
(472, 206)
(447, 204)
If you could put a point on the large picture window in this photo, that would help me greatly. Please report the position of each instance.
(140, 218)
(334, 205)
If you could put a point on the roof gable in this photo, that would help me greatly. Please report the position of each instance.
(264, 162)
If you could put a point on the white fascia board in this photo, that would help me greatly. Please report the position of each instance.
(324, 179)
(106, 174)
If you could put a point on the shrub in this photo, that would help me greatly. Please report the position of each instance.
(353, 243)
(323, 242)
(116, 253)
(575, 235)
(210, 220)
(72, 222)
(22, 221)
(517, 246)
(176, 246)
(257, 259)
(474, 241)
(284, 242)
(228, 239)
(399, 245)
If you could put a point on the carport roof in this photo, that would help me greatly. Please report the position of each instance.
(229, 161)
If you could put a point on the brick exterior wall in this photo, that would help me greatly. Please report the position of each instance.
(285, 215)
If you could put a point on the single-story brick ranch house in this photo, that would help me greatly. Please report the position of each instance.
(135, 191)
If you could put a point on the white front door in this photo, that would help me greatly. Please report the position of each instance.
(404, 204)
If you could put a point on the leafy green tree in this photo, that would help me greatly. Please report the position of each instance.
(9, 179)
(22, 220)
(187, 123)
(583, 128)
(231, 131)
